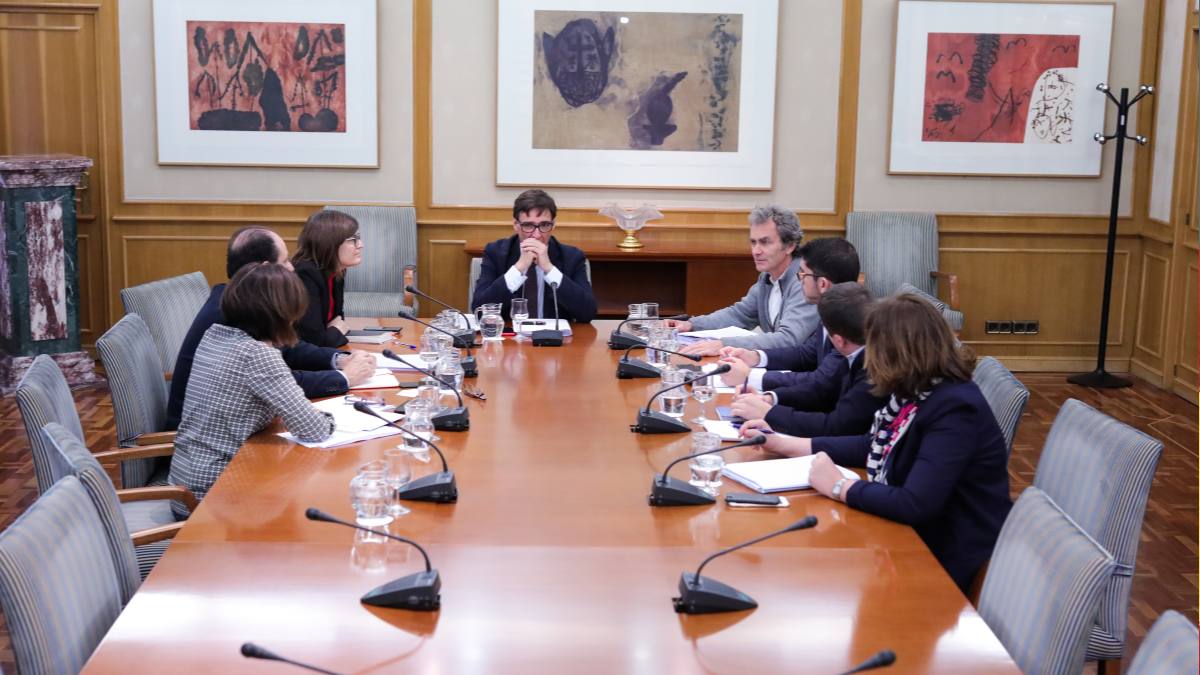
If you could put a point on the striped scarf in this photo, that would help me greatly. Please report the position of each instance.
(891, 421)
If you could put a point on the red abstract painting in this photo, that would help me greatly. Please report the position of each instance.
(254, 76)
(999, 88)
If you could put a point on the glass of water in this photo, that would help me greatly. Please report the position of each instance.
(635, 326)
(399, 472)
(430, 347)
(706, 472)
(703, 390)
(673, 401)
(520, 314)
(370, 495)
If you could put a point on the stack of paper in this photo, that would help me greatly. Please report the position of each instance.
(724, 429)
(351, 426)
(715, 334)
(531, 325)
(407, 362)
(776, 475)
(370, 337)
(382, 379)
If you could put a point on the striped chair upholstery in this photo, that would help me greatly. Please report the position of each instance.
(72, 458)
(139, 395)
(1099, 471)
(1169, 648)
(1005, 395)
(897, 247)
(952, 316)
(376, 287)
(58, 585)
(168, 306)
(477, 269)
(43, 396)
(1043, 586)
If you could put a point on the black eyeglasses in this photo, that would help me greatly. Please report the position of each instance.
(800, 274)
(529, 226)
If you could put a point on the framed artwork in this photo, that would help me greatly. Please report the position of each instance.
(1004, 89)
(679, 93)
(267, 83)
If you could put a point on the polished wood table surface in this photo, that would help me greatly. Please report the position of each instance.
(551, 559)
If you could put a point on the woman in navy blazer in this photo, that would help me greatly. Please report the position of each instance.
(935, 456)
(329, 245)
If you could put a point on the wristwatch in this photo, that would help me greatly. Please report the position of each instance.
(837, 488)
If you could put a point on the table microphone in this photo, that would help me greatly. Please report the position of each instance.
(438, 487)
(547, 337)
(451, 419)
(667, 491)
(620, 340)
(419, 591)
(702, 595)
(629, 368)
(470, 368)
(463, 340)
(253, 651)
(883, 659)
(649, 422)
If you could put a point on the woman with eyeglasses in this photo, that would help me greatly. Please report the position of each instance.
(329, 245)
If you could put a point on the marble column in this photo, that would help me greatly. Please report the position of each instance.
(39, 270)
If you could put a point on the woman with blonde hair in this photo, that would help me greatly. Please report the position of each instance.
(935, 456)
(329, 245)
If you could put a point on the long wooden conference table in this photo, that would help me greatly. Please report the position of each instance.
(550, 561)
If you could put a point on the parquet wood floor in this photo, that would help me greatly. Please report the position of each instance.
(1167, 558)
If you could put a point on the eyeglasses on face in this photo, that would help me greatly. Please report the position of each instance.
(801, 274)
(530, 226)
(355, 239)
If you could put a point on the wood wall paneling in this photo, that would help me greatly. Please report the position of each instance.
(1151, 305)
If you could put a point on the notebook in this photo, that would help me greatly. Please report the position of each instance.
(776, 475)
(370, 337)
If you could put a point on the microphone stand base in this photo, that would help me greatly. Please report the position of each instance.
(702, 595)
(667, 491)
(438, 487)
(547, 338)
(418, 592)
(657, 423)
(464, 340)
(619, 340)
(631, 368)
(470, 367)
(452, 419)
(1100, 379)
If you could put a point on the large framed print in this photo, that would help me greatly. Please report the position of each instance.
(1005, 89)
(658, 93)
(267, 83)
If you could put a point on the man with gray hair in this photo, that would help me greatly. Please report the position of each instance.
(775, 303)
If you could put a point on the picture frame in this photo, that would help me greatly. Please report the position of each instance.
(999, 88)
(267, 83)
(715, 60)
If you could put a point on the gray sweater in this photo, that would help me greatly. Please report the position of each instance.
(797, 318)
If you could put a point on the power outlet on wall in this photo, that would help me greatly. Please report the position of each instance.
(1006, 327)
(1028, 327)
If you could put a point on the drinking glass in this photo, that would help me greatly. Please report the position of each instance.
(399, 472)
(422, 409)
(430, 346)
(706, 472)
(370, 495)
(650, 316)
(673, 401)
(491, 323)
(520, 314)
(369, 552)
(703, 390)
(636, 314)
(449, 368)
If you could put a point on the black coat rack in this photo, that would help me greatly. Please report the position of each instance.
(1099, 377)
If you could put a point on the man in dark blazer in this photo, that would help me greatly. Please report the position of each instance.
(843, 405)
(320, 371)
(823, 263)
(527, 263)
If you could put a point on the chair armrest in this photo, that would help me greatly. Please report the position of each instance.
(410, 279)
(862, 278)
(155, 534)
(136, 452)
(167, 376)
(155, 438)
(177, 492)
(952, 279)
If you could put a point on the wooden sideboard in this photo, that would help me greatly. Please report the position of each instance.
(691, 278)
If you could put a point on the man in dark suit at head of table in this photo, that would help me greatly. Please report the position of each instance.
(320, 371)
(527, 263)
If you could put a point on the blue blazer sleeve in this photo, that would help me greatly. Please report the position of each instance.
(812, 390)
(802, 358)
(852, 414)
(575, 296)
(848, 451)
(490, 287)
(312, 366)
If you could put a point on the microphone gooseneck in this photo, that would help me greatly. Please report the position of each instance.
(416, 291)
(757, 440)
(693, 357)
(253, 651)
(882, 659)
(723, 368)
(454, 338)
(802, 524)
(317, 514)
(554, 295)
(362, 407)
(394, 356)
